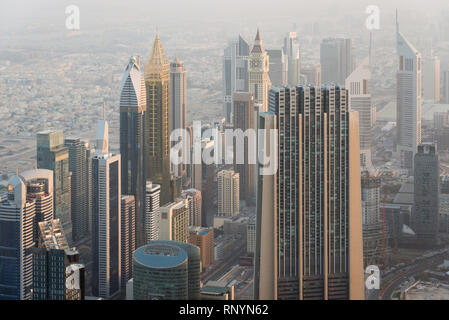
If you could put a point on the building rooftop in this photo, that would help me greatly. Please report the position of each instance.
(160, 254)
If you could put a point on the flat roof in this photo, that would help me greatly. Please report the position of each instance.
(160, 255)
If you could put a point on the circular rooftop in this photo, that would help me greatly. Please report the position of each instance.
(160, 254)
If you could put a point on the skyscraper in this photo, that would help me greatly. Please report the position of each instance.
(17, 218)
(203, 238)
(195, 200)
(178, 105)
(157, 82)
(244, 120)
(152, 211)
(336, 60)
(167, 270)
(53, 155)
(258, 73)
(431, 79)
(57, 273)
(312, 74)
(174, 223)
(316, 202)
(235, 73)
(228, 193)
(360, 101)
(80, 166)
(425, 214)
(128, 239)
(446, 87)
(409, 100)
(106, 209)
(291, 50)
(278, 73)
(133, 106)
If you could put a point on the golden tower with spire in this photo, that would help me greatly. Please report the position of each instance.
(259, 81)
(157, 136)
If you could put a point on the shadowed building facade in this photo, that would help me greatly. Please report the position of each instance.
(157, 82)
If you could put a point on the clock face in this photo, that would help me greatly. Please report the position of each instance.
(255, 63)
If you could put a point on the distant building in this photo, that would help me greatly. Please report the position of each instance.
(337, 61)
(106, 211)
(195, 200)
(291, 50)
(446, 87)
(440, 120)
(174, 223)
(228, 193)
(127, 238)
(425, 215)
(235, 73)
(312, 74)
(80, 166)
(203, 238)
(152, 211)
(53, 155)
(431, 79)
(167, 270)
(251, 236)
(258, 73)
(278, 73)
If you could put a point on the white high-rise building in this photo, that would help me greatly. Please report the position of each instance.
(431, 79)
(291, 50)
(175, 221)
(360, 101)
(409, 100)
(259, 81)
(39, 184)
(195, 200)
(152, 214)
(106, 220)
(228, 193)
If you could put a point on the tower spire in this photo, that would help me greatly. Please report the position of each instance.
(397, 20)
(104, 110)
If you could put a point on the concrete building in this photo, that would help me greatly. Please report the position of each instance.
(80, 166)
(53, 155)
(152, 211)
(446, 87)
(235, 73)
(195, 202)
(203, 238)
(360, 101)
(244, 163)
(425, 214)
(174, 223)
(127, 238)
(307, 208)
(258, 73)
(337, 61)
(157, 82)
(409, 100)
(228, 193)
(278, 69)
(218, 290)
(106, 217)
(431, 79)
(133, 106)
(167, 270)
(251, 236)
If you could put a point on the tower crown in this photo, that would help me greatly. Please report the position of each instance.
(157, 63)
(258, 47)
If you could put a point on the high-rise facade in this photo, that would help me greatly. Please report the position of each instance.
(446, 87)
(431, 79)
(409, 100)
(203, 238)
(106, 209)
(360, 100)
(127, 238)
(53, 155)
(291, 50)
(195, 201)
(152, 211)
(133, 106)
(425, 214)
(258, 79)
(278, 69)
(80, 166)
(316, 206)
(312, 74)
(174, 223)
(17, 219)
(178, 106)
(235, 73)
(244, 120)
(228, 193)
(337, 61)
(167, 270)
(371, 220)
(157, 136)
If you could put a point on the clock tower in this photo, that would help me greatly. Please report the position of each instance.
(259, 82)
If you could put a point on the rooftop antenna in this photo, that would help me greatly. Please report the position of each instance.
(397, 20)
(17, 172)
(104, 110)
(35, 164)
